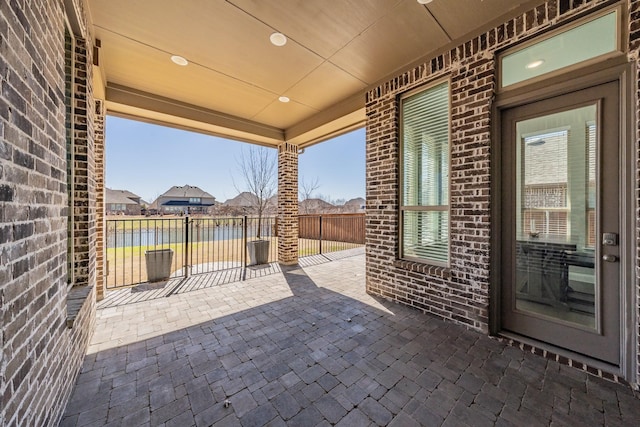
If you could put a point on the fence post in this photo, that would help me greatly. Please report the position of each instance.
(320, 234)
(186, 246)
(244, 241)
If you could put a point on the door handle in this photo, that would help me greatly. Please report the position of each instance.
(609, 258)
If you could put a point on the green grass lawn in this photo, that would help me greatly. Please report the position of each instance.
(127, 265)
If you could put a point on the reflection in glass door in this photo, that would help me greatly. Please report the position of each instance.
(555, 181)
(560, 222)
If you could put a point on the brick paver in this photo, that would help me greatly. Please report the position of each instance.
(307, 346)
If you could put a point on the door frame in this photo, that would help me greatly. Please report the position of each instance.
(616, 69)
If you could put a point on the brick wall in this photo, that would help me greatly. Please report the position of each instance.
(459, 293)
(84, 186)
(634, 57)
(288, 204)
(99, 140)
(40, 354)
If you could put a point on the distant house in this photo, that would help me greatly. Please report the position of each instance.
(319, 206)
(354, 205)
(245, 204)
(315, 206)
(240, 205)
(187, 199)
(243, 200)
(122, 202)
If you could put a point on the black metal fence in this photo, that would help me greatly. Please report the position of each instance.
(128, 240)
(141, 249)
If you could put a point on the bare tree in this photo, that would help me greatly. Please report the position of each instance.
(324, 197)
(258, 168)
(306, 189)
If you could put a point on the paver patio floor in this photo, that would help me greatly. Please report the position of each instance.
(306, 347)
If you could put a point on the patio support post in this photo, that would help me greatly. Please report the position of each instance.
(288, 204)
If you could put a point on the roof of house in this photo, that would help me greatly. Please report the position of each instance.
(247, 199)
(315, 204)
(243, 199)
(129, 194)
(186, 191)
(121, 197)
(185, 203)
(358, 201)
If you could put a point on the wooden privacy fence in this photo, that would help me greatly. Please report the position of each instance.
(324, 233)
(348, 228)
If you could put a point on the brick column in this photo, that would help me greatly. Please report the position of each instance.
(83, 157)
(100, 219)
(288, 204)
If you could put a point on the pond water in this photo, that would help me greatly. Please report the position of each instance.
(165, 236)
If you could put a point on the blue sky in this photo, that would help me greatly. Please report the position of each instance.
(149, 159)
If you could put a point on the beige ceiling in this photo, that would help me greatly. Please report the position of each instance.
(336, 50)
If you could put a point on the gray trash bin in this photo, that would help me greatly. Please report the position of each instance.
(258, 251)
(158, 264)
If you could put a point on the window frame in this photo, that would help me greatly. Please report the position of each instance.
(621, 49)
(401, 168)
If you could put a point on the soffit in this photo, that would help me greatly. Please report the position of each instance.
(336, 51)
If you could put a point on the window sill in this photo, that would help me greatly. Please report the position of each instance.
(419, 267)
(75, 300)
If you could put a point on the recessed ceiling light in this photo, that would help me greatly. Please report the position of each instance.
(535, 64)
(424, 1)
(278, 39)
(177, 59)
(284, 99)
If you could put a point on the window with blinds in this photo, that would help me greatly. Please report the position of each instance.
(424, 207)
(545, 199)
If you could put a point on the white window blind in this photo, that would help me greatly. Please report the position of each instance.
(425, 175)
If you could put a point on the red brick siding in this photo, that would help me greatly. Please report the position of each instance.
(634, 57)
(41, 356)
(100, 205)
(459, 293)
(288, 203)
(84, 190)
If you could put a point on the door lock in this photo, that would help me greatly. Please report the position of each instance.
(609, 239)
(609, 258)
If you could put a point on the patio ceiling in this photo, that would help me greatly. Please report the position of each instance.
(336, 50)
